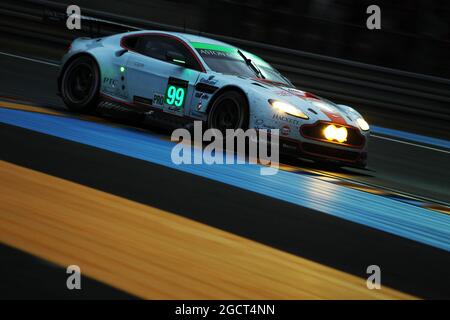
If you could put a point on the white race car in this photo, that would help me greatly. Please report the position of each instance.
(175, 78)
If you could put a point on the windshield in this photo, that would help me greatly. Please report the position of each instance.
(227, 60)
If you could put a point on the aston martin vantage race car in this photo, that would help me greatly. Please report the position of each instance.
(175, 78)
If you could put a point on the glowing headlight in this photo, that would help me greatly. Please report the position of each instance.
(331, 132)
(362, 124)
(288, 108)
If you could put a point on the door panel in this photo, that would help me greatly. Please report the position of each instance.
(167, 85)
(113, 81)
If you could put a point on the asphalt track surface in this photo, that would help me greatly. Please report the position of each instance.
(32, 278)
(154, 253)
(407, 168)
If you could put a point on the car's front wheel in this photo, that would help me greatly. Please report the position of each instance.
(80, 84)
(229, 111)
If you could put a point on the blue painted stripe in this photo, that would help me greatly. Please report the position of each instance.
(411, 137)
(375, 211)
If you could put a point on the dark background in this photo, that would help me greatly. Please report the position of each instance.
(414, 35)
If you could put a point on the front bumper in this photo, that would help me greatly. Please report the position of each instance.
(313, 145)
(321, 152)
(306, 139)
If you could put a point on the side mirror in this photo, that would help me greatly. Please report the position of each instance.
(121, 52)
(176, 57)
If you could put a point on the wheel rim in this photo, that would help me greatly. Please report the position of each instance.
(227, 115)
(80, 82)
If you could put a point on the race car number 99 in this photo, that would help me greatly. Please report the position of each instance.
(176, 92)
(175, 96)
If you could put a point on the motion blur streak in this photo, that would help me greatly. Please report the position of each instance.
(152, 253)
(24, 107)
(411, 137)
(374, 129)
(390, 215)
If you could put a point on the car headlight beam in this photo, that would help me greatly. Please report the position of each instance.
(332, 133)
(288, 108)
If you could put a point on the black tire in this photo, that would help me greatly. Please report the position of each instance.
(80, 84)
(229, 111)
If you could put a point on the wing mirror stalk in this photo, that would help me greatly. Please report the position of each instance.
(121, 52)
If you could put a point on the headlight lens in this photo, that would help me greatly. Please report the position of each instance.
(288, 108)
(362, 124)
(331, 133)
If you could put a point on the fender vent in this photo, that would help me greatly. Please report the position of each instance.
(206, 88)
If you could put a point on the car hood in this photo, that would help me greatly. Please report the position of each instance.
(314, 106)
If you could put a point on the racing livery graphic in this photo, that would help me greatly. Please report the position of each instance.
(172, 79)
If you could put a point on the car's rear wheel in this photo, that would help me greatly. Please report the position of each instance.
(229, 111)
(80, 84)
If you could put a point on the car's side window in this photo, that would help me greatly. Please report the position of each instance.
(131, 43)
(166, 49)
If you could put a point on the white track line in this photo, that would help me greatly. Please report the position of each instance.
(30, 59)
(410, 143)
(372, 135)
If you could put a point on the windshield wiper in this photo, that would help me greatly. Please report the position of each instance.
(252, 65)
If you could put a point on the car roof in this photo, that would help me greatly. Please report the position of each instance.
(188, 37)
(193, 38)
(196, 38)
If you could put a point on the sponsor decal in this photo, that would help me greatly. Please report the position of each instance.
(158, 99)
(259, 124)
(111, 86)
(283, 93)
(207, 52)
(285, 130)
(210, 80)
(201, 95)
(284, 118)
(110, 82)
